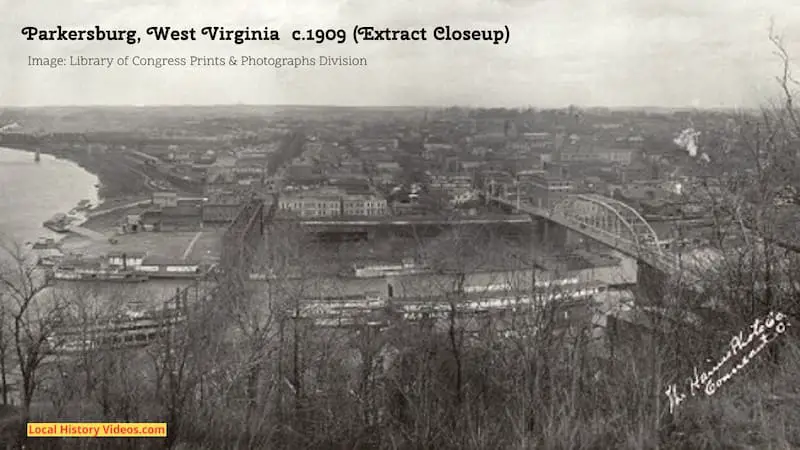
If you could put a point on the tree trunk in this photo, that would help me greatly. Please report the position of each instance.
(455, 348)
(3, 373)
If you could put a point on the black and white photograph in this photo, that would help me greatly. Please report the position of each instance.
(412, 225)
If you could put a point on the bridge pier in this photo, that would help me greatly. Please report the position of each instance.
(554, 236)
(573, 239)
(651, 284)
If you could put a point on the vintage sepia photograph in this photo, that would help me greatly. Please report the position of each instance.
(351, 225)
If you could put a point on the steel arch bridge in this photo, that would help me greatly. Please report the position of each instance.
(600, 218)
(608, 216)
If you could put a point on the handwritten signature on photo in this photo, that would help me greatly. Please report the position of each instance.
(759, 335)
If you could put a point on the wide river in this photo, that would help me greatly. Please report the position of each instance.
(32, 192)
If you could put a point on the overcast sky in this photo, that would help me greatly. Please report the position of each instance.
(703, 53)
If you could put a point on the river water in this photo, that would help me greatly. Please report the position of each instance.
(32, 192)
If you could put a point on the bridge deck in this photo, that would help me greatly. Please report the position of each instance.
(649, 254)
(414, 220)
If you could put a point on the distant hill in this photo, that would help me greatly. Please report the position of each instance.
(80, 119)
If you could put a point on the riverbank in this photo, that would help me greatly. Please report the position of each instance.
(33, 192)
(119, 182)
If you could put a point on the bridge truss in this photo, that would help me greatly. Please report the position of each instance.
(601, 218)
(609, 217)
(244, 238)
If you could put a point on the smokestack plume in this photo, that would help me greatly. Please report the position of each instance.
(687, 140)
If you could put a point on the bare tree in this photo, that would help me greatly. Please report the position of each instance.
(190, 343)
(5, 346)
(33, 311)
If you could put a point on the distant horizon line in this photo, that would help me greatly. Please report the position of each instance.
(439, 107)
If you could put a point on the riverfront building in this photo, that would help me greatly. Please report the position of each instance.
(333, 203)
